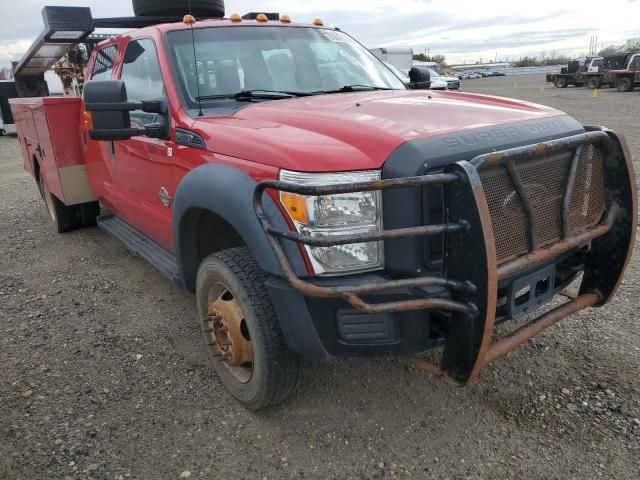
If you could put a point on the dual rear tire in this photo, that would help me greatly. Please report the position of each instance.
(593, 83)
(67, 218)
(625, 84)
(561, 82)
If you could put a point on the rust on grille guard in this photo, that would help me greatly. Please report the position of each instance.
(471, 273)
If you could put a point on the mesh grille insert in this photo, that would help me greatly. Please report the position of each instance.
(544, 181)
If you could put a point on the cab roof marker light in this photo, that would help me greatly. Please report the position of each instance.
(189, 19)
(261, 18)
(318, 22)
(236, 17)
(285, 19)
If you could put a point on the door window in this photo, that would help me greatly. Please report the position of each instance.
(142, 76)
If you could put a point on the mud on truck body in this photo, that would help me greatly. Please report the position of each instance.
(318, 208)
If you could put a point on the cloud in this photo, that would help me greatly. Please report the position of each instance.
(463, 30)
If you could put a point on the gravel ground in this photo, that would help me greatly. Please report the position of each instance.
(103, 373)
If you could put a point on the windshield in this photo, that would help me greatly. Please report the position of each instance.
(402, 76)
(286, 59)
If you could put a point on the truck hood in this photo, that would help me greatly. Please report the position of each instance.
(354, 131)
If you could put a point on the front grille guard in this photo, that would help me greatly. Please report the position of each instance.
(471, 273)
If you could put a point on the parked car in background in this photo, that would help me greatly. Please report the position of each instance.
(453, 83)
(436, 83)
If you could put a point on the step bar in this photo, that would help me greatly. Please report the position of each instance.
(139, 243)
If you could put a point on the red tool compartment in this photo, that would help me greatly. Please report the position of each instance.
(49, 132)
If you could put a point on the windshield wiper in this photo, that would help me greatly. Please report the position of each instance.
(254, 94)
(354, 88)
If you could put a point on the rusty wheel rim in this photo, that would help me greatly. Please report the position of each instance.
(228, 333)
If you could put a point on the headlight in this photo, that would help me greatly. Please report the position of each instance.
(327, 215)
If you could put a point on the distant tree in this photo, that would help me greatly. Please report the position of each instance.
(527, 62)
(439, 59)
(631, 45)
(535, 62)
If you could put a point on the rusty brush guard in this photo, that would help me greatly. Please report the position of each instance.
(472, 265)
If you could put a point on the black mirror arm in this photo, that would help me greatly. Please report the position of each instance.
(147, 106)
(155, 130)
(116, 133)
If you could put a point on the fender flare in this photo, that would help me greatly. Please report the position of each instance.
(227, 192)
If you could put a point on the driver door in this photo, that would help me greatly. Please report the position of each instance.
(145, 165)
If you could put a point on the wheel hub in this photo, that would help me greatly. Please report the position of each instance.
(228, 332)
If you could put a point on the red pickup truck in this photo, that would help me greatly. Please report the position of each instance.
(318, 208)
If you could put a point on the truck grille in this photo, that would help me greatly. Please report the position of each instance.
(544, 179)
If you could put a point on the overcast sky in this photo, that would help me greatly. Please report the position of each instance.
(463, 30)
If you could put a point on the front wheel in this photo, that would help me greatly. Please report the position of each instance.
(242, 332)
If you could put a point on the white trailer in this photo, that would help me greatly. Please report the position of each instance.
(399, 57)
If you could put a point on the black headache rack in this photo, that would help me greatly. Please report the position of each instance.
(64, 29)
(471, 272)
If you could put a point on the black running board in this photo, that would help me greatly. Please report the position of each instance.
(139, 243)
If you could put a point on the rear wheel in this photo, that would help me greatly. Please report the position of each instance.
(593, 83)
(242, 332)
(68, 218)
(65, 218)
(624, 84)
(561, 82)
(178, 8)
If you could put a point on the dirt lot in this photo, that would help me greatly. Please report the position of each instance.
(103, 374)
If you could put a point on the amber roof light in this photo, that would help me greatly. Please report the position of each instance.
(236, 17)
(189, 19)
(262, 17)
(318, 22)
(285, 19)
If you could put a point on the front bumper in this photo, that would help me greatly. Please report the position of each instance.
(466, 296)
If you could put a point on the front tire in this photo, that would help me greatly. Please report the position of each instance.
(242, 332)
(561, 82)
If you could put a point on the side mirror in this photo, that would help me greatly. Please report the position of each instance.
(420, 78)
(107, 102)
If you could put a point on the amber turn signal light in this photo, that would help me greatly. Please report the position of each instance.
(296, 206)
(88, 120)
